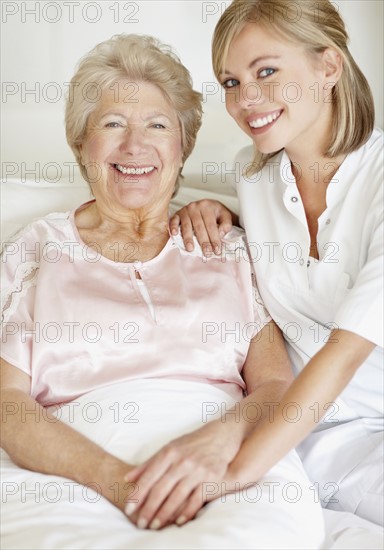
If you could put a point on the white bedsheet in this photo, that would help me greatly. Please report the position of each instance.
(132, 421)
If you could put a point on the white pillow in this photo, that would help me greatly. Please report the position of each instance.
(24, 201)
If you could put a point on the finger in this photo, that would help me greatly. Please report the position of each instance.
(130, 499)
(225, 223)
(154, 470)
(213, 213)
(147, 514)
(172, 504)
(174, 224)
(135, 472)
(193, 504)
(200, 214)
(186, 229)
(212, 233)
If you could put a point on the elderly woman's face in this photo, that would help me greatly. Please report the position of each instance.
(133, 151)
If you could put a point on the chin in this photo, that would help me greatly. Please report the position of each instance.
(268, 148)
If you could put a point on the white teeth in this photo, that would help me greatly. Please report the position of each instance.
(134, 171)
(260, 122)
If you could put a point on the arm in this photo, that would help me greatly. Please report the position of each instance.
(171, 482)
(209, 220)
(66, 452)
(322, 380)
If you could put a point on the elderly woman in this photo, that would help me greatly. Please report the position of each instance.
(119, 346)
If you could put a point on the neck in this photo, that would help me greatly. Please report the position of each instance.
(126, 237)
(310, 164)
(137, 224)
(314, 169)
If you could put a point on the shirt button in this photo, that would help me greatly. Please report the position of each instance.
(301, 262)
(294, 199)
(308, 263)
(328, 221)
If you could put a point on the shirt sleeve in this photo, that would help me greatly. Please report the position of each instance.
(19, 271)
(260, 312)
(362, 310)
(236, 239)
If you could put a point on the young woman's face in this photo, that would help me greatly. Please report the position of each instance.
(276, 92)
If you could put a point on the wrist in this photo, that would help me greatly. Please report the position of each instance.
(110, 478)
(229, 434)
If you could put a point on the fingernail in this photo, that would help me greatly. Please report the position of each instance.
(189, 246)
(181, 520)
(174, 231)
(155, 524)
(216, 249)
(130, 508)
(142, 523)
(222, 234)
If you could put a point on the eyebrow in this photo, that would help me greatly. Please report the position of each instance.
(150, 115)
(111, 113)
(254, 62)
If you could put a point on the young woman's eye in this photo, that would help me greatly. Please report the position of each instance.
(230, 83)
(266, 72)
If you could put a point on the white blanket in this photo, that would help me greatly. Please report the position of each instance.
(133, 421)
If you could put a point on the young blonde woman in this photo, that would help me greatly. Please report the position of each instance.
(311, 204)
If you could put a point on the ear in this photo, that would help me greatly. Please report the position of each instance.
(332, 65)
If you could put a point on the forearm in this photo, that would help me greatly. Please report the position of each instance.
(256, 408)
(318, 385)
(41, 443)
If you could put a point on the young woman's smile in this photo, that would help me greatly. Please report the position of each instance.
(272, 89)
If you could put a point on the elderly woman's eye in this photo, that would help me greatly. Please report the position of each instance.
(230, 83)
(158, 126)
(113, 125)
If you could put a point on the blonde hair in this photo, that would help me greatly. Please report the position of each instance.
(137, 58)
(317, 25)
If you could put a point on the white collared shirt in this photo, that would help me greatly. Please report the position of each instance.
(344, 288)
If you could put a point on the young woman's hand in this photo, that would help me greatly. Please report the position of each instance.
(209, 220)
(174, 479)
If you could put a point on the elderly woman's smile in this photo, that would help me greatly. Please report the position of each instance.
(132, 150)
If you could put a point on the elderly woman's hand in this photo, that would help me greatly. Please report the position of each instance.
(170, 485)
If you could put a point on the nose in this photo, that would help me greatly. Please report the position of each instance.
(134, 140)
(250, 94)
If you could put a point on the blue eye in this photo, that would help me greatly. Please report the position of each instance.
(266, 72)
(230, 83)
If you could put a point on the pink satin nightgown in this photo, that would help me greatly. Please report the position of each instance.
(76, 321)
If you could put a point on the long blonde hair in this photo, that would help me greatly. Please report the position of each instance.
(317, 25)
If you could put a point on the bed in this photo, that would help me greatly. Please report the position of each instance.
(78, 526)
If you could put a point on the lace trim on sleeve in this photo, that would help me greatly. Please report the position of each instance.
(261, 314)
(25, 278)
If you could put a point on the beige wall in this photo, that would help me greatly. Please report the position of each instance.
(42, 41)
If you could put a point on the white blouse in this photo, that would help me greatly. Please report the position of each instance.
(306, 297)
